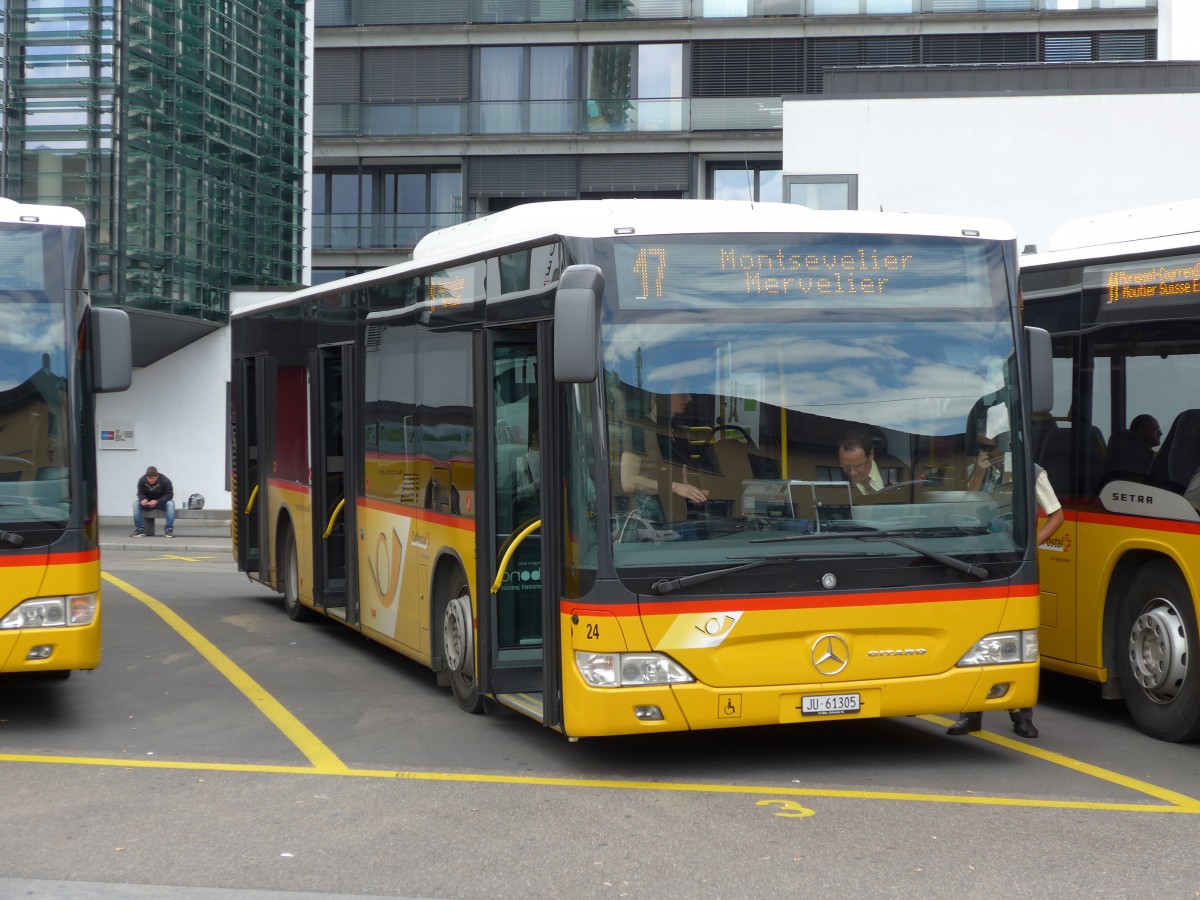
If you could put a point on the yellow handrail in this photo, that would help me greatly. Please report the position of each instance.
(333, 518)
(250, 502)
(512, 546)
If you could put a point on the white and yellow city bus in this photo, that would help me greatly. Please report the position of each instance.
(1120, 295)
(582, 460)
(55, 352)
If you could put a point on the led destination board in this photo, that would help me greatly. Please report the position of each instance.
(1153, 281)
(810, 271)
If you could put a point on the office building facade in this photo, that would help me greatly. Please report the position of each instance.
(425, 115)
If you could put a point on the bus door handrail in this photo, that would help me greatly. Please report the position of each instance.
(333, 518)
(512, 547)
(250, 502)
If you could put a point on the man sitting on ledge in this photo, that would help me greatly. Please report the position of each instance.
(154, 491)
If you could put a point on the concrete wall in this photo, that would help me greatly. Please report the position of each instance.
(1034, 161)
(1178, 29)
(178, 409)
(179, 412)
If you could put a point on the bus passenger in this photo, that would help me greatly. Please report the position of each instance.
(1022, 719)
(856, 455)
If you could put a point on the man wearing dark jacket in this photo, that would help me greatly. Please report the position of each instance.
(154, 491)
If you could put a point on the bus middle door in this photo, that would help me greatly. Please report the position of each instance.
(334, 451)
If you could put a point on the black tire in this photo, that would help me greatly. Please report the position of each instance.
(457, 637)
(290, 577)
(1154, 643)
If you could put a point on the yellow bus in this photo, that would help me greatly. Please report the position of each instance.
(1120, 295)
(581, 459)
(55, 352)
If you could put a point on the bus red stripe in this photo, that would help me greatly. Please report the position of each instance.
(1142, 523)
(804, 601)
(29, 560)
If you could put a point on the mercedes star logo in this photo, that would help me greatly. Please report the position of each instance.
(830, 654)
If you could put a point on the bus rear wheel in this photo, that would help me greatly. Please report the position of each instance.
(296, 610)
(458, 646)
(1155, 640)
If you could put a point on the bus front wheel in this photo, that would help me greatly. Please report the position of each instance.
(1155, 640)
(458, 647)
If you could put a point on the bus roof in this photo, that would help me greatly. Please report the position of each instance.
(532, 222)
(12, 211)
(1146, 231)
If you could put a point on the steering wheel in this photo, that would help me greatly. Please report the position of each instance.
(738, 428)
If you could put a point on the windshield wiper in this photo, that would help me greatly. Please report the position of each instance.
(670, 585)
(952, 561)
(867, 533)
(10, 537)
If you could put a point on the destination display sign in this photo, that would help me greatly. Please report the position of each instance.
(1154, 280)
(1133, 290)
(802, 271)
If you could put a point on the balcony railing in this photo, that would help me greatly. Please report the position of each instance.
(354, 13)
(376, 231)
(547, 117)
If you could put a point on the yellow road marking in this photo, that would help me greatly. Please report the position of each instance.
(325, 762)
(601, 784)
(1075, 765)
(295, 731)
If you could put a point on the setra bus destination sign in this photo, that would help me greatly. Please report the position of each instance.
(806, 271)
(1128, 291)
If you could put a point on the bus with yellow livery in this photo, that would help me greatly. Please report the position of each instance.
(56, 351)
(1120, 295)
(581, 459)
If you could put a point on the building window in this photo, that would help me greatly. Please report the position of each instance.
(636, 87)
(822, 191)
(525, 90)
(760, 180)
(383, 208)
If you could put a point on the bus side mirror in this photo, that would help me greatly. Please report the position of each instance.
(1041, 370)
(577, 324)
(112, 350)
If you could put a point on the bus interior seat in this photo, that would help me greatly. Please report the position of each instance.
(1127, 454)
(1179, 456)
(1043, 426)
(1055, 458)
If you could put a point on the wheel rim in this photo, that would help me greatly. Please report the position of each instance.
(456, 633)
(291, 576)
(1158, 650)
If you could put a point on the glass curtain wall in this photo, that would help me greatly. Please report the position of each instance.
(193, 183)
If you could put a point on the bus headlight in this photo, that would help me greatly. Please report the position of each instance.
(1005, 647)
(52, 612)
(629, 669)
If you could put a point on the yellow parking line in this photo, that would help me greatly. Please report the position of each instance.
(1188, 804)
(308, 743)
(325, 762)
(601, 784)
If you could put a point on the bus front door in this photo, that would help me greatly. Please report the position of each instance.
(333, 451)
(250, 487)
(511, 618)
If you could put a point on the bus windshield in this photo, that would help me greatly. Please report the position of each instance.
(34, 422)
(743, 427)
